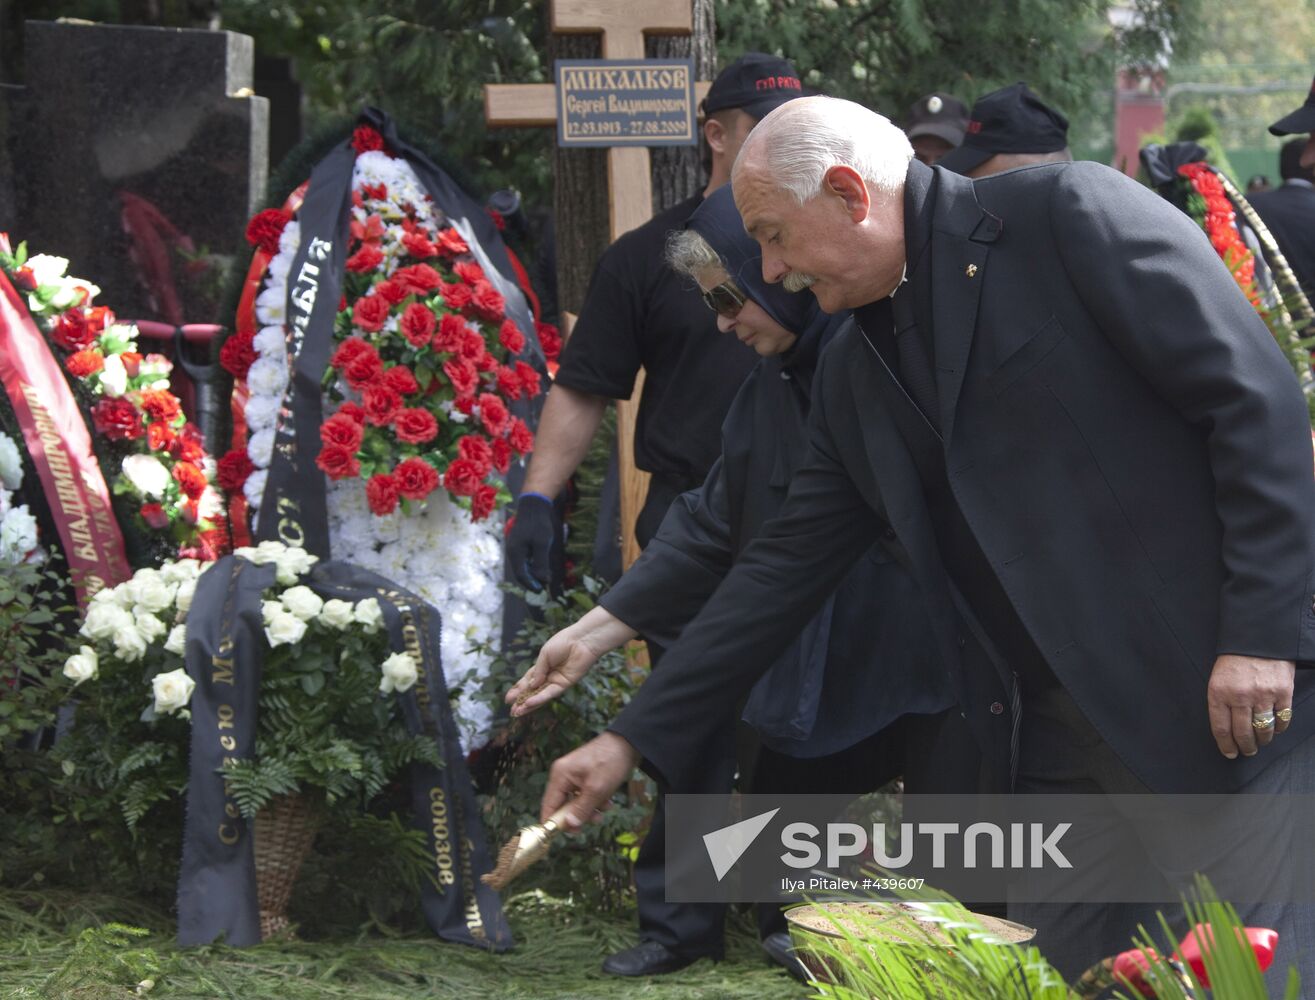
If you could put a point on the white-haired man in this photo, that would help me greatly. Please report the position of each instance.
(1063, 414)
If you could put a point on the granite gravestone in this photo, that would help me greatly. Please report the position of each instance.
(138, 153)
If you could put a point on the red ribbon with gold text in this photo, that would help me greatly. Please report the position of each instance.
(60, 445)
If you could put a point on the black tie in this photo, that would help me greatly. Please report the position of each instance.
(914, 363)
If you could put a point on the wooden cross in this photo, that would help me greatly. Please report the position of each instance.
(623, 25)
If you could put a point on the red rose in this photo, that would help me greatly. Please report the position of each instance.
(187, 445)
(381, 405)
(233, 470)
(510, 336)
(347, 350)
(71, 331)
(550, 339)
(191, 480)
(509, 383)
(450, 243)
(338, 462)
(418, 246)
(462, 375)
(501, 455)
(529, 379)
(415, 426)
(381, 494)
(365, 259)
(493, 414)
(392, 292)
(370, 312)
(343, 431)
(463, 478)
(366, 140)
(365, 369)
(132, 363)
(476, 449)
(416, 478)
(520, 437)
(159, 436)
(154, 515)
(162, 405)
(451, 332)
(401, 380)
(238, 355)
(418, 324)
(352, 411)
(117, 419)
(487, 301)
(85, 363)
(468, 271)
(483, 502)
(98, 318)
(266, 227)
(419, 278)
(456, 297)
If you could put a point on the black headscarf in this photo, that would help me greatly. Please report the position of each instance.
(718, 221)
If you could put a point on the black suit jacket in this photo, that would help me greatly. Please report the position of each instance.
(1123, 436)
(1289, 212)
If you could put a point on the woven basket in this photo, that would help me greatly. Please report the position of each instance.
(283, 833)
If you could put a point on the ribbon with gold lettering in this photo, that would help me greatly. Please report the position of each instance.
(59, 443)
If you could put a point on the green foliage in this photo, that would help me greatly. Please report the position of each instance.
(33, 616)
(594, 866)
(106, 962)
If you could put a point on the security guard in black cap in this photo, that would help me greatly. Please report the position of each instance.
(1010, 127)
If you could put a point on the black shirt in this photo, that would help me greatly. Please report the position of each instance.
(639, 312)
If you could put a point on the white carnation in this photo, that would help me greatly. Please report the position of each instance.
(262, 412)
(11, 463)
(254, 488)
(271, 342)
(399, 673)
(302, 602)
(113, 377)
(261, 448)
(268, 377)
(177, 641)
(284, 629)
(290, 239)
(337, 614)
(83, 665)
(147, 475)
(172, 690)
(271, 306)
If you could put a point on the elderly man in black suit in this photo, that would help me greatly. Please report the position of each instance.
(1289, 210)
(1064, 417)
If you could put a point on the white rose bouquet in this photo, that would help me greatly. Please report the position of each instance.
(328, 723)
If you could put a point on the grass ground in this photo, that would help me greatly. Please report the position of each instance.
(47, 952)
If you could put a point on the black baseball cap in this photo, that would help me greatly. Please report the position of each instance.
(756, 83)
(1009, 120)
(1301, 120)
(940, 115)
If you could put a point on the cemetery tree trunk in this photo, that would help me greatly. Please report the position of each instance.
(678, 170)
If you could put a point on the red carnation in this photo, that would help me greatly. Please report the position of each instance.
(465, 404)
(370, 312)
(117, 419)
(493, 414)
(451, 332)
(381, 405)
(401, 380)
(501, 455)
(159, 436)
(366, 140)
(415, 426)
(419, 246)
(418, 324)
(375, 192)
(98, 318)
(343, 431)
(486, 362)
(349, 349)
(338, 462)
(352, 411)
(450, 243)
(472, 346)
(519, 437)
(162, 405)
(477, 449)
(154, 515)
(487, 301)
(365, 369)
(483, 502)
(468, 271)
(420, 278)
(529, 379)
(233, 470)
(457, 297)
(510, 336)
(191, 480)
(187, 445)
(369, 232)
(266, 227)
(238, 355)
(365, 259)
(71, 331)
(392, 292)
(462, 375)
(550, 339)
(381, 494)
(463, 478)
(416, 478)
(509, 383)
(85, 363)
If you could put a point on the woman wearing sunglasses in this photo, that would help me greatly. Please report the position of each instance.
(856, 701)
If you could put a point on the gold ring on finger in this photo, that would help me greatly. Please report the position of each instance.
(1262, 720)
(1284, 715)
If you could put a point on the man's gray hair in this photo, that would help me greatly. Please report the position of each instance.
(802, 139)
(689, 254)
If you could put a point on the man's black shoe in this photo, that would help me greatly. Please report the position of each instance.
(648, 958)
(781, 951)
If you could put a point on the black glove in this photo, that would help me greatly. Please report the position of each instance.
(530, 541)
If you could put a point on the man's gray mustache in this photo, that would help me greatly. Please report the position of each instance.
(797, 282)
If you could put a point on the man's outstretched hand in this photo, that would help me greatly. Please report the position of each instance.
(586, 778)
